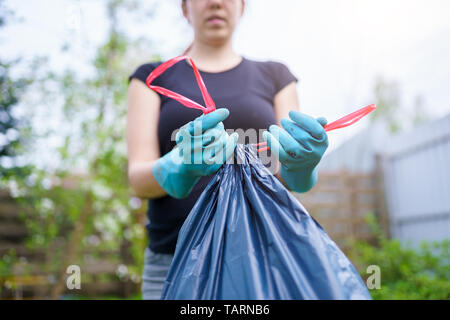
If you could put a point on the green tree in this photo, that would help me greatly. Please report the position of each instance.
(407, 272)
(387, 99)
(420, 114)
(68, 211)
(10, 92)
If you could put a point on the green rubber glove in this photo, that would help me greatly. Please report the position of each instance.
(299, 147)
(203, 146)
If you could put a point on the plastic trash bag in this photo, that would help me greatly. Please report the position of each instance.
(247, 237)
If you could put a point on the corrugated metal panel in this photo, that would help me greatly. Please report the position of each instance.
(357, 154)
(416, 168)
(417, 177)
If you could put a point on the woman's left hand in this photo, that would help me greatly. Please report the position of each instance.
(299, 146)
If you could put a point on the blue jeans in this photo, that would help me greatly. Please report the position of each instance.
(156, 266)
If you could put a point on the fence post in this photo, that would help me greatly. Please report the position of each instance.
(346, 192)
(383, 215)
(353, 205)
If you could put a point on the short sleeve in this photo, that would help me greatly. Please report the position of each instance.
(282, 76)
(143, 71)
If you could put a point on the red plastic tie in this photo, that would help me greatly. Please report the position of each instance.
(350, 118)
(340, 123)
(209, 103)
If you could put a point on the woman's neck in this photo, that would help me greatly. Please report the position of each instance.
(210, 58)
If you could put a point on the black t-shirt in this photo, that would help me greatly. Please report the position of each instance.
(247, 90)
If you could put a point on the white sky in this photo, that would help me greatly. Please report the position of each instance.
(335, 47)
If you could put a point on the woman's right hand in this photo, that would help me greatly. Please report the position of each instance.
(203, 146)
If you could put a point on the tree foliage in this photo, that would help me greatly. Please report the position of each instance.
(85, 201)
(10, 92)
(407, 272)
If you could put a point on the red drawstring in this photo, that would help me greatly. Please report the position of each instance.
(210, 106)
(209, 103)
(350, 118)
(340, 123)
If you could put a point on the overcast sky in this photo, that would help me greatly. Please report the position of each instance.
(335, 47)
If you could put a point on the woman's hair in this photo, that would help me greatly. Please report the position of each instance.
(189, 47)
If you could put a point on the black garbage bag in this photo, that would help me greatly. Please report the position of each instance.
(247, 237)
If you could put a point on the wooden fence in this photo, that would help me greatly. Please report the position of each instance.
(339, 202)
(31, 275)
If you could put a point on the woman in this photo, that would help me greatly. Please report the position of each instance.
(257, 95)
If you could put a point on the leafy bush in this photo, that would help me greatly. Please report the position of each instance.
(407, 272)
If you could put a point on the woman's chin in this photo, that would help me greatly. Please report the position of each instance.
(218, 35)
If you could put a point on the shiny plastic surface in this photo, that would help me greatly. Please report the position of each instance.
(247, 237)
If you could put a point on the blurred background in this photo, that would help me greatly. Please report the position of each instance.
(384, 187)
